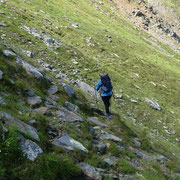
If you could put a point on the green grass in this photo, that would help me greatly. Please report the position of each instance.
(136, 56)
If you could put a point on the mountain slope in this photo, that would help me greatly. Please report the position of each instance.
(73, 42)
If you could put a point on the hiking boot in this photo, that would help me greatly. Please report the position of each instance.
(109, 116)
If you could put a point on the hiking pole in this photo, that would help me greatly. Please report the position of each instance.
(96, 99)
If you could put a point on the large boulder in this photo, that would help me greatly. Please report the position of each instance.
(1, 74)
(8, 53)
(107, 136)
(153, 104)
(88, 89)
(30, 148)
(2, 102)
(67, 115)
(71, 107)
(69, 90)
(94, 120)
(19, 125)
(31, 70)
(68, 143)
(52, 90)
(34, 101)
(90, 171)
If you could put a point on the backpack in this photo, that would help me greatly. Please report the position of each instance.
(106, 84)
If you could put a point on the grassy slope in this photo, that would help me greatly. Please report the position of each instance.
(136, 56)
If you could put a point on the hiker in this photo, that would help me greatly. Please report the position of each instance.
(106, 91)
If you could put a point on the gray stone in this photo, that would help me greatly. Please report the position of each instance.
(2, 102)
(94, 120)
(101, 146)
(153, 104)
(32, 122)
(30, 93)
(71, 106)
(118, 96)
(31, 70)
(8, 53)
(68, 143)
(20, 125)
(141, 154)
(88, 89)
(30, 148)
(111, 176)
(75, 26)
(3, 24)
(67, 115)
(90, 171)
(42, 110)
(34, 101)
(1, 74)
(139, 13)
(50, 102)
(136, 142)
(52, 90)
(69, 90)
(111, 160)
(107, 136)
(28, 53)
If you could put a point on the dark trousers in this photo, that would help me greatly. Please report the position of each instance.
(106, 100)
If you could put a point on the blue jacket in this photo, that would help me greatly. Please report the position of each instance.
(98, 85)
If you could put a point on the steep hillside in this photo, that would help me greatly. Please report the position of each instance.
(52, 122)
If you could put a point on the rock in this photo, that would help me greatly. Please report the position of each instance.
(52, 90)
(153, 104)
(2, 102)
(94, 120)
(28, 53)
(31, 70)
(112, 160)
(71, 106)
(8, 53)
(139, 13)
(108, 136)
(32, 122)
(136, 142)
(49, 102)
(34, 101)
(141, 154)
(1, 74)
(30, 93)
(69, 90)
(101, 146)
(118, 96)
(20, 125)
(111, 176)
(75, 25)
(88, 89)
(42, 110)
(133, 101)
(3, 24)
(67, 115)
(90, 171)
(30, 148)
(52, 131)
(68, 143)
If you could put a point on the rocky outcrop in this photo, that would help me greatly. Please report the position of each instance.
(1, 74)
(31, 149)
(19, 125)
(31, 70)
(153, 103)
(69, 90)
(67, 115)
(94, 120)
(69, 143)
(34, 101)
(90, 171)
(8, 53)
